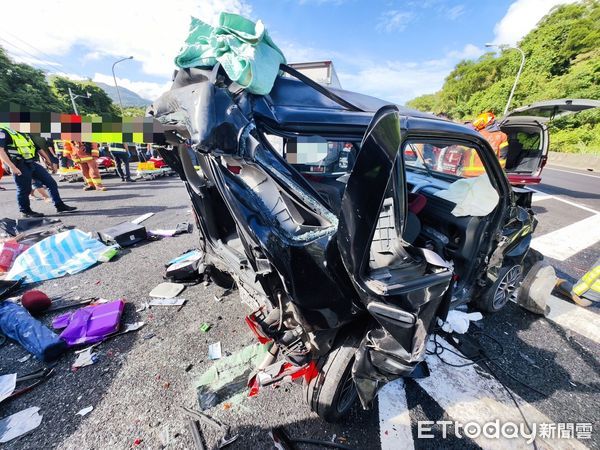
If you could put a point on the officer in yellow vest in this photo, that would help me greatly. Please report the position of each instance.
(18, 153)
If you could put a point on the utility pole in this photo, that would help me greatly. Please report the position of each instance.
(74, 96)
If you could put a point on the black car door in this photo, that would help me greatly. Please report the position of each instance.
(402, 287)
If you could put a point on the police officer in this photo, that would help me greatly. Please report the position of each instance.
(18, 153)
(120, 153)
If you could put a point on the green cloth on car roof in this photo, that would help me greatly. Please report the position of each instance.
(243, 48)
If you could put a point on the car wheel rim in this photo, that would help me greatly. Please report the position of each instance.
(508, 287)
(348, 392)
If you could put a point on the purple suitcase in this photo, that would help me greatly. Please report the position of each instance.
(90, 324)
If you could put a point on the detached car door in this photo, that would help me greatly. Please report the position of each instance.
(402, 287)
(528, 137)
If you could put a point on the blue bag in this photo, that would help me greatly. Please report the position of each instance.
(16, 323)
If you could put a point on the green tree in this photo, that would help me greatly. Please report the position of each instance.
(26, 86)
(98, 102)
(562, 61)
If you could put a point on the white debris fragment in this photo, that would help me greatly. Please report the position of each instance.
(7, 385)
(85, 357)
(458, 321)
(18, 424)
(214, 351)
(24, 358)
(167, 301)
(85, 411)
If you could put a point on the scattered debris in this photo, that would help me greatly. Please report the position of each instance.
(187, 256)
(123, 234)
(189, 367)
(85, 411)
(90, 324)
(17, 324)
(167, 302)
(458, 321)
(227, 378)
(226, 438)
(205, 327)
(70, 304)
(130, 327)
(41, 376)
(19, 423)
(194, 428)
(282, 441)
(35, 301)
(24, 358)
(140, 219)
(167, 290)
(85, 357)
(149, 336)
(7, 385)
(214, 351)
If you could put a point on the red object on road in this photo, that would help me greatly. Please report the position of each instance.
(8, 253)
(35, 301)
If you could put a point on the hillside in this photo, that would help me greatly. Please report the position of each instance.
(128, 97)
(562, 61)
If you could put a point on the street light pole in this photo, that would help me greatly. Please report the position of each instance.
(115, 78)
(512, 91)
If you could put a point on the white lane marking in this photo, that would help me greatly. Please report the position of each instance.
(575, 318)
(470, 396)
(395, 429)
(570, 240)
(568, 202)
(570, 171)
(538, 197)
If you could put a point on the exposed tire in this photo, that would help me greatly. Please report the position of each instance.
(505, 288)
(332, 393)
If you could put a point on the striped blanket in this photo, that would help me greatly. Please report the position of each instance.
(64, 253)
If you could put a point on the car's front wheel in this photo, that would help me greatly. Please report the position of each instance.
(505, 288)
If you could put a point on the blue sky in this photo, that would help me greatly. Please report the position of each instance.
(394, 49)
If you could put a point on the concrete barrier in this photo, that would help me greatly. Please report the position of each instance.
(580, 161)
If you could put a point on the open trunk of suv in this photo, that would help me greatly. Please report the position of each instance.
(528, 137)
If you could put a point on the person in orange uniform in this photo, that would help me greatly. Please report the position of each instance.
(85, 154)
(488, 127)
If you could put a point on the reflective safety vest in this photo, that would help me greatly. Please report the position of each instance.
(22, 147)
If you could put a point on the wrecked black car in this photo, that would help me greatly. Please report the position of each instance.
(323, 207)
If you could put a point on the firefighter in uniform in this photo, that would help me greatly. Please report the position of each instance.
(85, 154)
(488, 127)
(18, 153)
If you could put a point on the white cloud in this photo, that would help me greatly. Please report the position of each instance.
(469, 51)
(393, 20)
(150, 31)
(455, 12)
(92, 56)
(522, 16)
(146, 89)
(400, 81)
